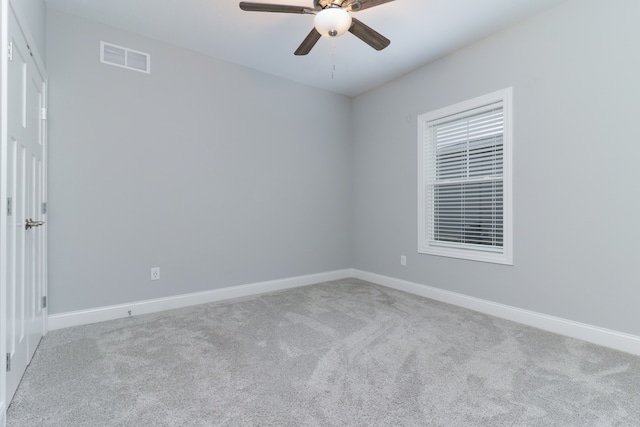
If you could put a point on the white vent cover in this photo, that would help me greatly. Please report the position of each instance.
(124, 57)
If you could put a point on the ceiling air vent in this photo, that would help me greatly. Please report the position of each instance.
(124, 57)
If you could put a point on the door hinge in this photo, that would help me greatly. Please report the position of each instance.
(8, 362)
(10, 51)
(44, 207)
(44, 302)
(9, 206)
(43, 114)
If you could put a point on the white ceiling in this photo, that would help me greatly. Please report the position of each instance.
(420, 31)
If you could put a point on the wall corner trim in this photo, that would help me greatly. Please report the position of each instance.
(593, 334)
(112, 312)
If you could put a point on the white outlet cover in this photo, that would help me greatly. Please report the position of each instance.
(155, 273)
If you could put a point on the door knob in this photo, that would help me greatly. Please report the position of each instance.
(31, 223)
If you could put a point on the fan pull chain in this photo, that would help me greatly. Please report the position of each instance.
(333, 60)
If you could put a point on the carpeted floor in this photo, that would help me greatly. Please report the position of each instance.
(344, 353)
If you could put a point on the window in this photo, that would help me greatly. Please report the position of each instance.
(464, 172)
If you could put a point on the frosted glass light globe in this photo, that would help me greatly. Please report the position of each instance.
(332, 22)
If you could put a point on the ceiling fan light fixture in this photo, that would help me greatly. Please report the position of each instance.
(332, 22)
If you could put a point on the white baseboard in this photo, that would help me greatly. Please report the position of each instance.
(100, 314)
(593, 334)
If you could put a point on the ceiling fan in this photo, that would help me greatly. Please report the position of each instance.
(332, 19)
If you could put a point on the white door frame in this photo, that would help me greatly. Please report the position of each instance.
(4, 68)
(6, 9)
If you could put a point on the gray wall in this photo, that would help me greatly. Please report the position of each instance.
(575, 72)
(33, 13)
(222, 176)
(217, 174)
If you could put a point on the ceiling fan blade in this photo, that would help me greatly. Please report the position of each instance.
(368, 35)
(366, 4)
(308, 43)
(278, 8)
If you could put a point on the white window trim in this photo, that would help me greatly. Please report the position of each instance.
(424, 246)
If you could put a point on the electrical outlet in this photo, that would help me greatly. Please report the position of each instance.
(403, 260)
(155, 273)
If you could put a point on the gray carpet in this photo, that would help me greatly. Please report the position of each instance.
(344, 353)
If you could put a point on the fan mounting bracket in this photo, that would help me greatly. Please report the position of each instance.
(345, 4)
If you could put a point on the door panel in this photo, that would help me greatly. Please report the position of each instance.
(26, 251)
(34, 193)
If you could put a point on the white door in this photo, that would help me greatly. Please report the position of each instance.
(26, 182)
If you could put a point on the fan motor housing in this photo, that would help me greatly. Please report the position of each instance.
(323, 4)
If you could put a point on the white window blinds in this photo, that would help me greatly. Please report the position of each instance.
(463, 181)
